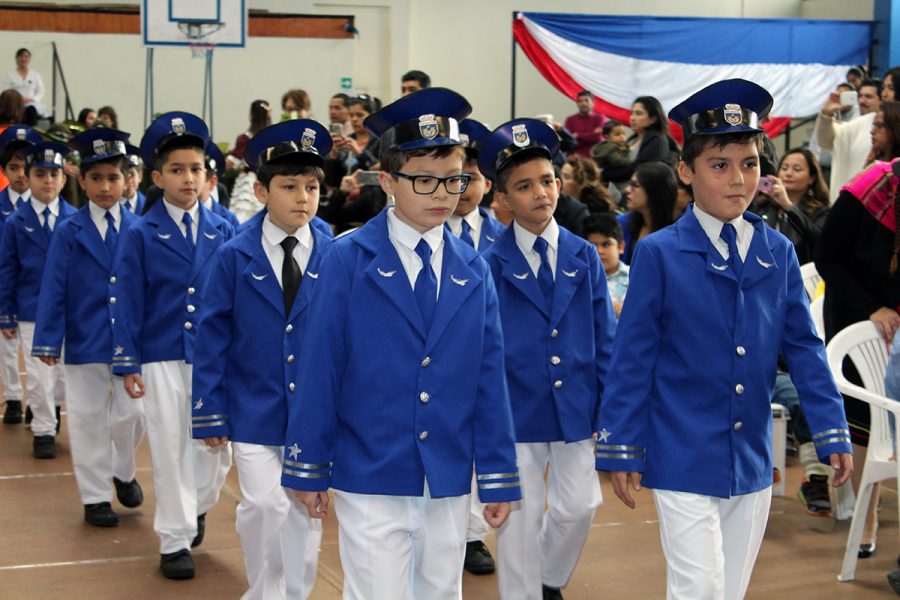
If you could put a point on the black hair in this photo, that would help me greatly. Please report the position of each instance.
(8, 155)
(858, 71)
(364, 101)
(517, 160)
(394, 160)
(610, 125)
(894, 73)
(22, 51)
(119, 161)
(83, 115)
(420, 76)
(178, 143)
(696, 144)
(287, 168)
(654, 109)
(876, 83)
(658, 182)
(260, 116)
(603, 224)
(343, 98)
(584, 93)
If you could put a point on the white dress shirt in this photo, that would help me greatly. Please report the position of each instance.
(98, 216)
(14, 196)
(131, 202)
(474, 219)
(713, 228)
(178, 213)
(39, 207)
(525, 242)
(272, 236)
(405, 239)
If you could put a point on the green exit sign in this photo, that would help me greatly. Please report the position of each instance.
(346, 83)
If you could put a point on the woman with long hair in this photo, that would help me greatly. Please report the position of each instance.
(651, 204)
(581, 180)
(857, 255)
(650, 141)
(260, 118)
(795, 202)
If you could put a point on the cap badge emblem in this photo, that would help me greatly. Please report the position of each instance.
(308, 140)
(99, 147)
(178, 126)
(21, 134)
(733, 114)
(428, 127)
(49, 156)
(520, 135)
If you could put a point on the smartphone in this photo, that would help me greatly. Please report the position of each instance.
(368, 178)
(336, 129)
(764, 186)
(849, 98)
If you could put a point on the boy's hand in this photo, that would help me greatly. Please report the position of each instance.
(316, 503)
(620, 480)
(843, 467)
(134, 385)
(495, 513)
(10, 333)
(213, 442)
(50, 361)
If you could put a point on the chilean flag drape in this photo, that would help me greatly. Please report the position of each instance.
(619, 58)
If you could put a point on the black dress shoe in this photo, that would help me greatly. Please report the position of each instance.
(58, 422)
(129, 495)
(866, 550)
(201, 531)
(100, 515)
(894, 579)
(13, 414)
(478, 559)
(28, 415)
(44, 446)
(177, 565)
(552, 593)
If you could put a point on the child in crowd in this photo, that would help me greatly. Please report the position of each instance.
(605, 232)
(162, 268)
(23, 257)
(132, 198)
(247, 347)
(105, 425)
(14, 142)
(558, 327)
(613, 150)
(712, 299)
(209, 193)
(401, 375)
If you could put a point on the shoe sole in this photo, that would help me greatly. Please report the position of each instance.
(482, 571)
(103, 524)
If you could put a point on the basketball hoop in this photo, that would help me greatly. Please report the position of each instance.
(200, 50)
(195, 32)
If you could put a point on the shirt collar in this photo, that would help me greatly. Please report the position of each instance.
(39, 206)
(177, 213)
(98, 213)
(525, 239)
(14, 196)
(275, 235)
(409, 237)
(712, 226)
(208, 203)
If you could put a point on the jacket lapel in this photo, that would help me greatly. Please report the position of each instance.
(208, 239)
(570, 270)
(760, 263)
(167, 232)
(89, 237)
(33, 228)
(517, 272)
(260, 278)
(458, 281)
(307, 284)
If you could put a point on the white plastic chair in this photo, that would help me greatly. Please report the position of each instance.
(862, 343)
(811, 278)
(817, 309)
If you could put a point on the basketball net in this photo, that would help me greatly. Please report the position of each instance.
(195, 33)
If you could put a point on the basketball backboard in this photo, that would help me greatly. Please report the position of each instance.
(191, 22)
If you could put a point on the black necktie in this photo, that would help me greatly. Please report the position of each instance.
(729, 236)
(290, 272)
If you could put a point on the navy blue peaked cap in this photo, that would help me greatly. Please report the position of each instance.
(15, 137)
(423, 119)
(169, 127)
(47, 154)
(512, 139)
(215, 160)
(99, 143)
(298, 140)
(729, 106)
(472, 133)
(134, 155)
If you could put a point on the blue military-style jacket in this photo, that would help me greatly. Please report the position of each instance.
(693, 371)
(245, 358)
(556, 356)
(75, 302)
(386, 403)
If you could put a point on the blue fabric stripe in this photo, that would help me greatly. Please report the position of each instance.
(715, 41)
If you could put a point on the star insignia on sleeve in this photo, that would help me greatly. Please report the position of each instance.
(294, 451)
(118, 350)
(604, 435)
(198, 404)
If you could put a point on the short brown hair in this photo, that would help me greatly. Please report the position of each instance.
(394, 160)
(696, 144)
(518, 159)
(12, 107)
(300, 98)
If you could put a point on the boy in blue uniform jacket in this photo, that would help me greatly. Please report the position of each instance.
(245, 364)
(14, 141)
(710, 302)
(215, 166)
(105, 425)
(23, 257)
(401, 375)
(558, 326)
(162, 269)
(132, 198)
(470, 222)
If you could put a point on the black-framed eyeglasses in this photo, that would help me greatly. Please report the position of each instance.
(426, 185)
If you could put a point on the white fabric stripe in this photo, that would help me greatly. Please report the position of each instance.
(798, 89)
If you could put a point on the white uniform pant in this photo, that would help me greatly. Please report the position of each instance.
(279, 540)
(187, 474)
(402, 547)
(105, 429)
(9, 368)
(478, 528)
(44, 386)
(535, 546)
(710, 543)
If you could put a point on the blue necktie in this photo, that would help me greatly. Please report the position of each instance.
(46, 226)
(466, 234)
(111, 234)
(188, 231)
(729, 236)
(426, 284)
(20, 202)
(127, 205)
(545, 274)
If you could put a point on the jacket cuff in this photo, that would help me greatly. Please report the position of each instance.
(208, 426)
(617, 457)
(832, 441)
(53, 351)
(307, 477)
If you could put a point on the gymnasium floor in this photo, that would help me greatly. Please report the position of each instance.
(47, 551)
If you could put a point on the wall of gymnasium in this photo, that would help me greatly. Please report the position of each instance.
(462, 44)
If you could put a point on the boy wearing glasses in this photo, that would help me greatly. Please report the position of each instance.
(401, 379)
(558, 327)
